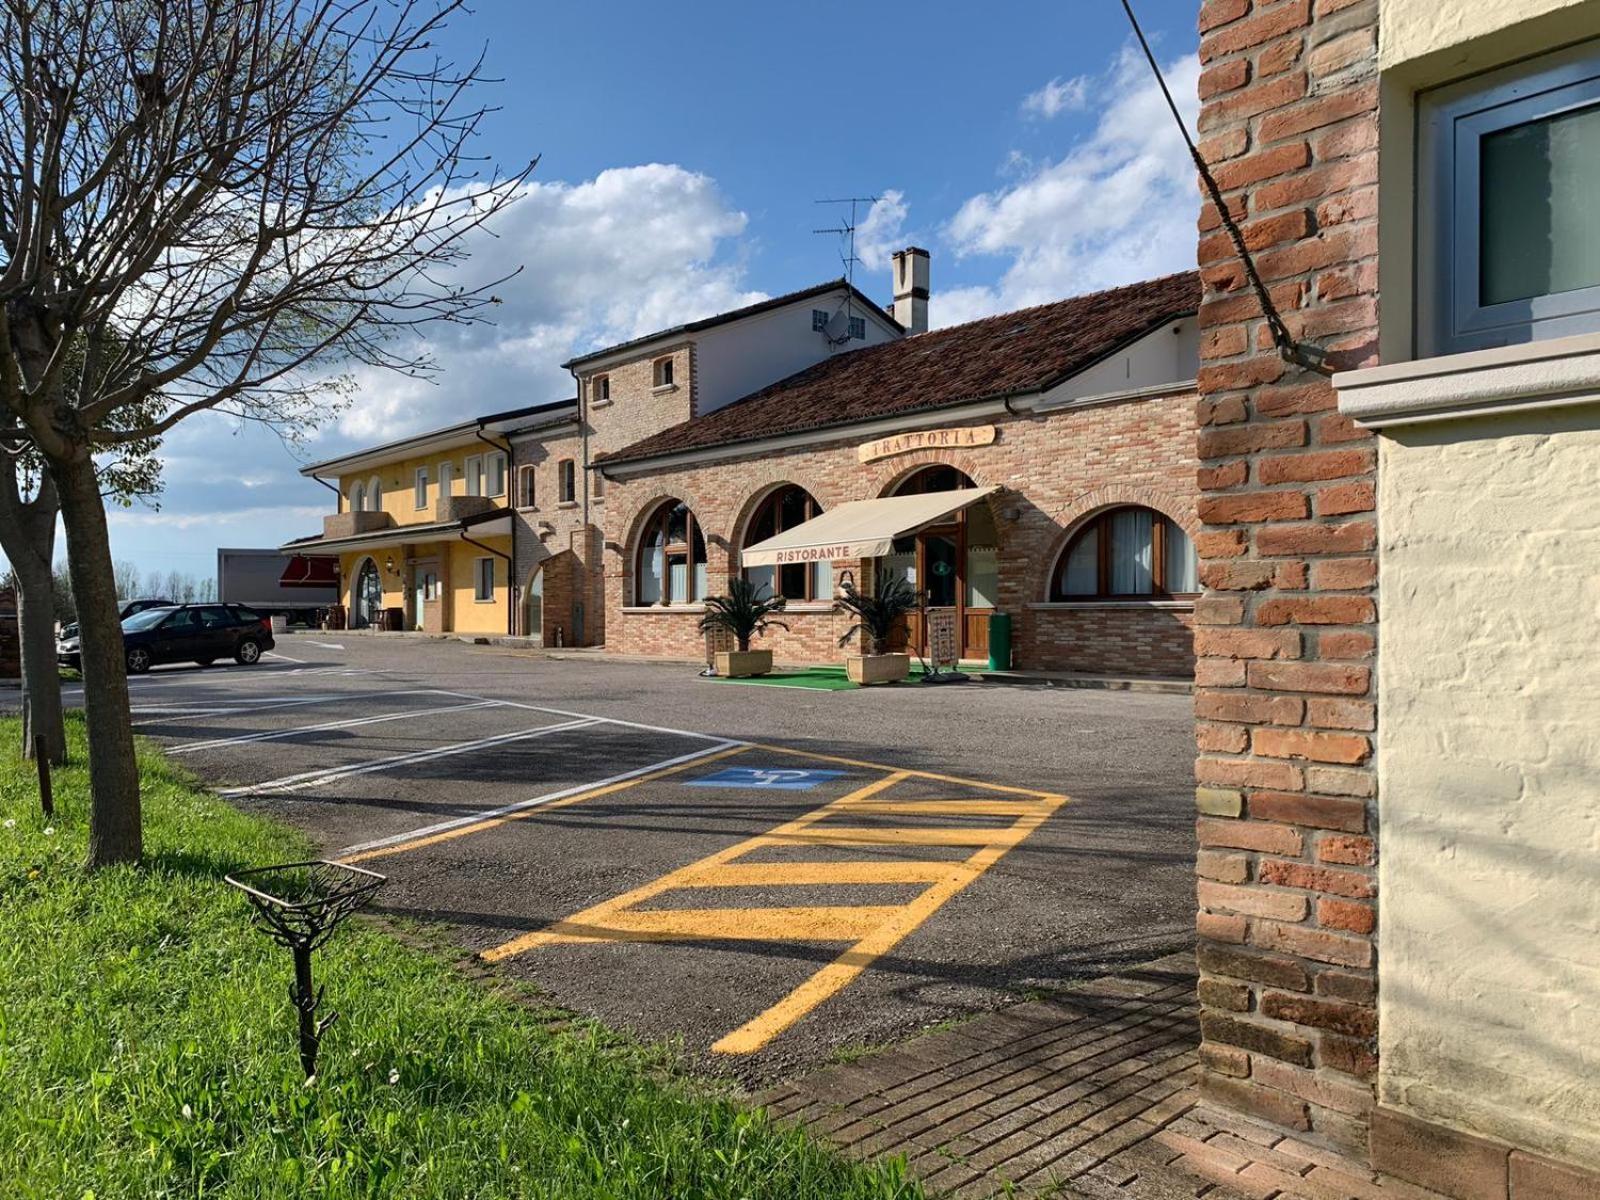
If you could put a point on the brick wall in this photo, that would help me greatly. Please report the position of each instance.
(1059, 469)
(1286, 633)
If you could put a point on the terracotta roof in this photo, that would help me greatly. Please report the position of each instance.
(1012, 354)
(737, 314)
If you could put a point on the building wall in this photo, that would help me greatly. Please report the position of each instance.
(1287, 632)
(469, 615)
(1489, 757)
(398, 480)
(1416, 29)
(547, 528)
(736, 359)
(1059, 470)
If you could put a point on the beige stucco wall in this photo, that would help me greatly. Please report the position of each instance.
(1489, 760)
(1410, 31)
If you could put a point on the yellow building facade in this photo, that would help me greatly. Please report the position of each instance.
(422, 529)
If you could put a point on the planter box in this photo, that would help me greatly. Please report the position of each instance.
(877, 668)
(737, 664)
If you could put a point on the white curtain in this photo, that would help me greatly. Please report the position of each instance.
(1183, 572)
(652, 564)
(1132, 531)
(1080, 576)
(761, 577)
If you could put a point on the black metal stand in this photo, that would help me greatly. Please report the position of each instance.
(305, 903)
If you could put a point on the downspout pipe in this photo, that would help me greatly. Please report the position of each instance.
(511, 610)
(511, 563)
(331, 488)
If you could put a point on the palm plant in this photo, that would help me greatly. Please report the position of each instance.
(880, 614)
(745, 612)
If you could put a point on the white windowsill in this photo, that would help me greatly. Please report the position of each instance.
(662, 389)
(1078, 605)
(1546, 374)
(601, 403)
(663, 609)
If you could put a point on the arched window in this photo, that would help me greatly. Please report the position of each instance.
(785, 508)
(375, 494)
(1126, 553)
(358, 497)
(672, 558)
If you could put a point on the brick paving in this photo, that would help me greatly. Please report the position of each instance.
(1088, 1093)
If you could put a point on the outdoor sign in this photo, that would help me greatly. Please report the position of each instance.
(781, 779)
(926, 439)
(942, 637)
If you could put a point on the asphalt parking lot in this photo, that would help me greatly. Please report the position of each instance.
(769, 876)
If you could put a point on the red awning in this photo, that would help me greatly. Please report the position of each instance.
(311, 571)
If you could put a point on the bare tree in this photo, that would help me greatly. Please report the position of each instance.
(29, 508)
(228, 202)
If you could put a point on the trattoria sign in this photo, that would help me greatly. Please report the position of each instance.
(926, 439)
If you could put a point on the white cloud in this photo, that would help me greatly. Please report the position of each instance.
(632, 250)
(881, 231)
(1119, 206)
(1056, 97)
(606, 259)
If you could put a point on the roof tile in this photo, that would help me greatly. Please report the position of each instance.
(1018, 352)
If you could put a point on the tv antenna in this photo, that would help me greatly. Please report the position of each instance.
(838, 331)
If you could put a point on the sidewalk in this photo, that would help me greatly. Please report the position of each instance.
(1088, 1093)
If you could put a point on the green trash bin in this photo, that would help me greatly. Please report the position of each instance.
(999, 641)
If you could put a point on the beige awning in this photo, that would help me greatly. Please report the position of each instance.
(859, 529)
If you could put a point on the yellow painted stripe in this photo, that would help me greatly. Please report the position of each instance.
(494, 822)
(859, 835)
(838, 974)
(601, 913)
(909, 773)
(943, 808)
(842, 923)
(779, 874)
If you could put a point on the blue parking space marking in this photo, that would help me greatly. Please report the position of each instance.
(786, 779)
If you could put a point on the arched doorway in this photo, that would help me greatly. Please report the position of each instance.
(533, 606)
(954, 565)
(366, 597)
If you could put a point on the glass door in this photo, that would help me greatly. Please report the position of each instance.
(369, 597)
(940, 552)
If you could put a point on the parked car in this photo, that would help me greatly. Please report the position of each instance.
(125, 609)
(198, 633)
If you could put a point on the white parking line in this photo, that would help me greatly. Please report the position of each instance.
(269, 704)
(305, 779)
(284, 657)
(265, 703)
(561, 712)
(351, 723)
(717, 747)
(327, 645)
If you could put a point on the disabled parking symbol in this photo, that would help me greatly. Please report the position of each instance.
(783, 779)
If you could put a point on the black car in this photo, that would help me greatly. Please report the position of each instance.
(125, 609)
(199, 633)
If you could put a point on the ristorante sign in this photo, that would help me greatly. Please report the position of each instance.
(926, 439)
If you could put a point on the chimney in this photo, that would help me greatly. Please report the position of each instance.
(911, 288)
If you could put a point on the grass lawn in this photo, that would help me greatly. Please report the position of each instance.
(147, 1048)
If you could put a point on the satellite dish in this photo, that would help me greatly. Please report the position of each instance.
(838, 327)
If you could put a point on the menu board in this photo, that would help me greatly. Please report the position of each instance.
(942, 637)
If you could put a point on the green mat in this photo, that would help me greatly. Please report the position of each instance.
(819, 679)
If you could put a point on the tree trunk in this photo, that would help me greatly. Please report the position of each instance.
(115, 833)
(28, 537)
(41, 679)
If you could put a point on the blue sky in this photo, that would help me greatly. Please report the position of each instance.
(682, 148)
